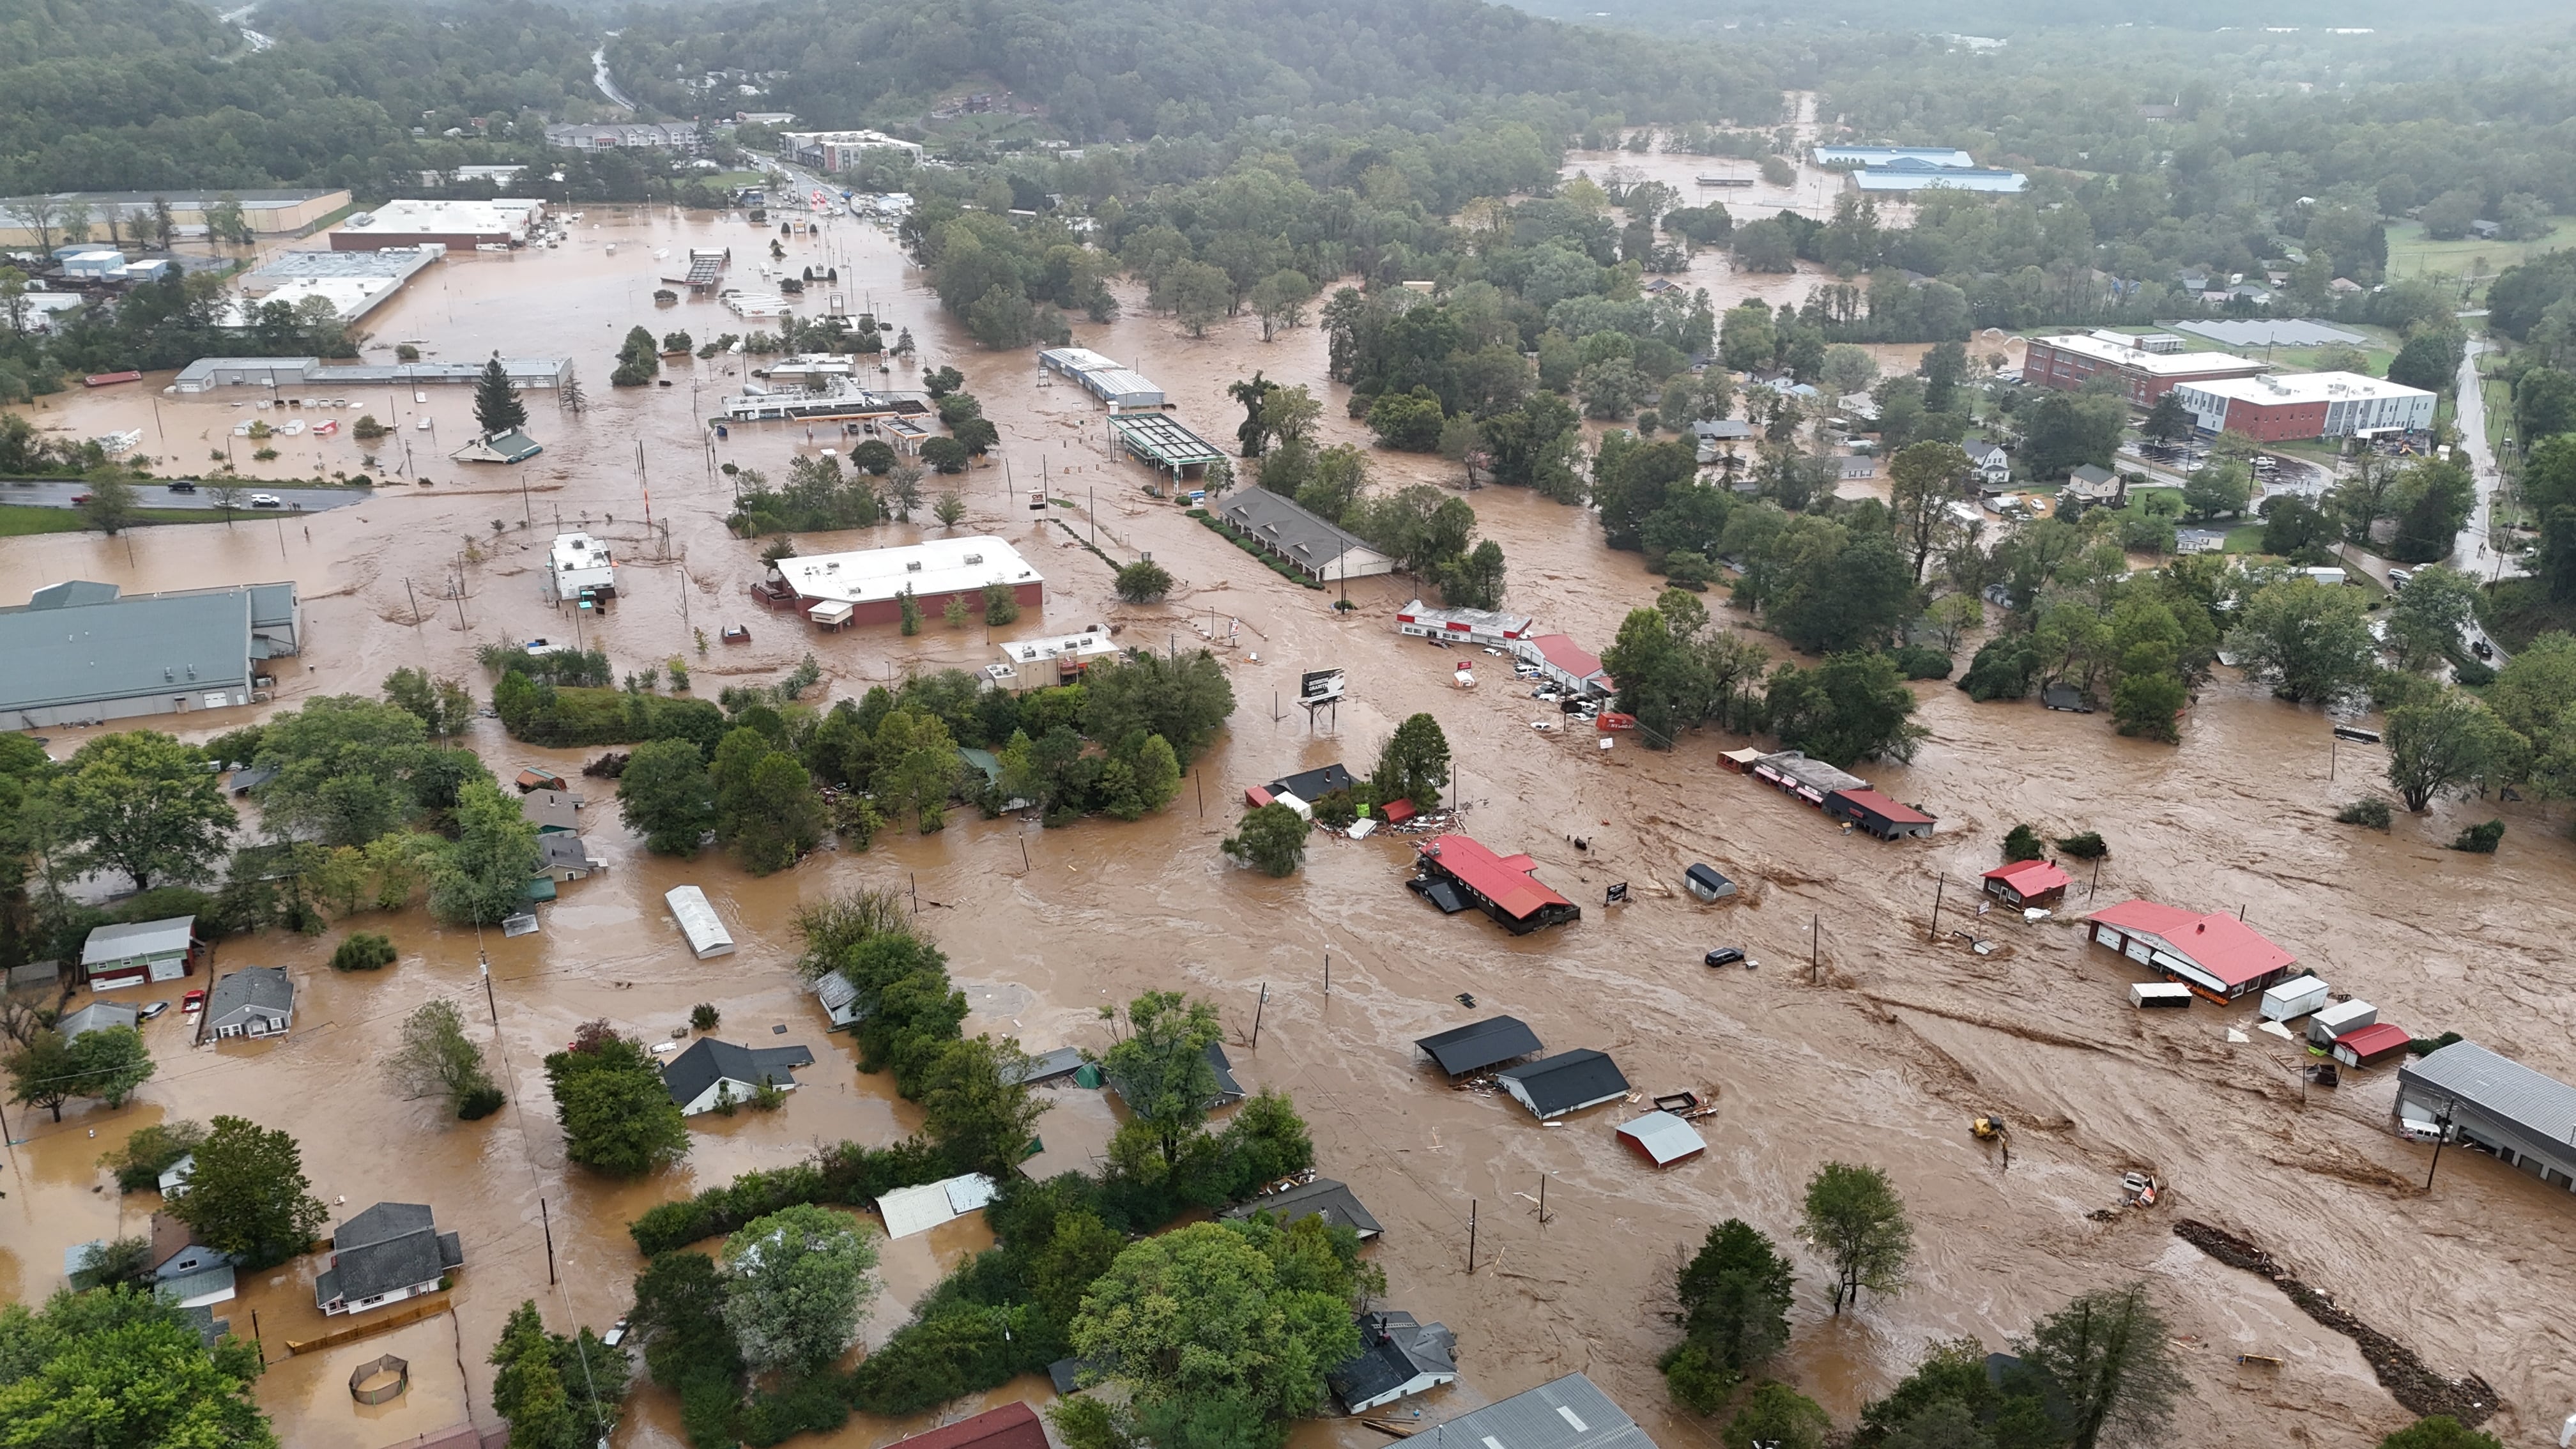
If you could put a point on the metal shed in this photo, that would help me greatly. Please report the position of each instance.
(706, 933)
(1704, 882)
(1662, 1138)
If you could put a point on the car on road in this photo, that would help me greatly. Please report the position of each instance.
(2400, 578)
(193, 1002)
(266, 500)
(149, 1012)
(80, 498)
(182, 485)
(1725, 956)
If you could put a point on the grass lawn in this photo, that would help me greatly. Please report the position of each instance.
(2244, 538)
(2497, 394)
(20, 519)
(2412, 254)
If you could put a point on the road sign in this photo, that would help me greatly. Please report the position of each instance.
(1318, 685)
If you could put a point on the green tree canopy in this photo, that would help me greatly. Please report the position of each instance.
(1161, 1066)
(247, 1195)
(664, 794)
(123, 1368)
(1413, 764)
(795, 1283)
(145, 804)
(483, 874)
(1854, 1217)
(616, 1114)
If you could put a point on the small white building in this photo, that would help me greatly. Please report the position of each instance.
(698, 922)
(1027, 664)
(839, 998)
(579, 566)
(1463, 626)
(909, 1210)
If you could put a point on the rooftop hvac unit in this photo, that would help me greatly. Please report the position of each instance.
(974, 558)
(832, 568)
(912, 567)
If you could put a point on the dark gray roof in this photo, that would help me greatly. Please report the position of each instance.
(2088, 473)
(261, 986)
(1067, 1374)
(1480, 1045)
(245, 781)
(1313, 785)
(1335, 1203)
(390, 1246)
(708, 1061)
(1283, 526)
(1980, 449)
(1569, 1413)
(1050, 1065)
(87, 652)
(1568, 1080)
(1395, 1349)
(2500, 1087)
(1721, 429)
(563, 849)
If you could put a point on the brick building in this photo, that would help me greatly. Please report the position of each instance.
(2067, 363)
(2307, 405)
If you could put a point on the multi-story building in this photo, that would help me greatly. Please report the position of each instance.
(2307, 405)
(2068, 362)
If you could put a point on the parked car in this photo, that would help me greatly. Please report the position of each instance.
(80, 498)
(182, 485)
(266, 500)
(2400, 578)
(149, 1012)
(192, 1002)
(1725, 956)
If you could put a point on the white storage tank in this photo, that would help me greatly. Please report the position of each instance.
(2159, 993)
(2293, 998)
(2333, 1021)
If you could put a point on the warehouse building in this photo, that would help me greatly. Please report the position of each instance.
(266, 213)
(1908, 175)
(208, 373)
(867, 587)
(2307, 405)
(354, 283)
(1949, 157)
(2068, 362)
(2495, 1105)
(80, 653)
(1162, 444)
(456, 225)
(1104, 378)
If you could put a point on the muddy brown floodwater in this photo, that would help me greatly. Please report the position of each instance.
(1880, 1055)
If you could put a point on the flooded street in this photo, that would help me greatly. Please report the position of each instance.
(1880, 1054)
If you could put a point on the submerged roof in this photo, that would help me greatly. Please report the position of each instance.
(2030, 877)
(1568, 1413)
(1013, 1426)
(1480, 1044)
(709, 1061)
(1663, 1137)
(1568, 1080)
(1323, 1198)
(1506, 881)
(2499, 1085)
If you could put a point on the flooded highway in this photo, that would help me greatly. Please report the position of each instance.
(1857, 1039)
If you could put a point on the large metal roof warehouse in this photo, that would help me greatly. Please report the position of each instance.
(81, 653)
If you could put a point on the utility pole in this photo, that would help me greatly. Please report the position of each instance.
(1936, 908)
(546, 1221)
(415, 603)
(1256, 1015)
(2441, 1134)
(489, 1004)
(1471, 1237)
(1328, 972)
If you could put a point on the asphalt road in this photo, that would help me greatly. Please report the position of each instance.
(156, 495)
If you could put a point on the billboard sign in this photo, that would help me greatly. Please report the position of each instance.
(1319, 685)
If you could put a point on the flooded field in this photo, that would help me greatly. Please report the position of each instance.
(1880, 1053)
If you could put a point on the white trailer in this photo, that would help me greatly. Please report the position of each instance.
(2294, 998)
(2333, 1021)
(2159, 993)
(698, 922)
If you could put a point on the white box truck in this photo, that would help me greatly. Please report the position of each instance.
(2159, 993)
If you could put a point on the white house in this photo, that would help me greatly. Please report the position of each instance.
(1398, 1358)
(840, 999)
(698, 922)
(254, 1001)
(712, 1073)
(388, 1253)
(1992, 464)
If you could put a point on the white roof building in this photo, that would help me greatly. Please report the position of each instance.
(457, 223)
(909, 1210)
(2119, 349)
(2276, 406)
(933, 566)
(698, 921)
(579, 564)
(1041, 663)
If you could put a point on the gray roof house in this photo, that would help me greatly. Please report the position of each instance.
(1398, 1357)
(1048, 1066)
(2496, 1104)
(254, 1001)
(1992, 463)
(388, 1253)
(1567, 1413)
(711, 1071)
(2095, 485)
(562, 856)
(1566, 1082)
(1322, 1198)
(140, 952)
(840, 999)
(81, 653)
(1321, 551)
(97, 1016)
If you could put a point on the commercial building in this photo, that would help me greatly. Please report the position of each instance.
(456, 225)
(1104, 378)
(2070, 361)
(676, 136)
(79, 653)
(2278, 408)
(2495, 1105)
(114, 957)
(834, 151)
(208, 373)
(132, 214)
(1809, 780)
(1158, 441)
(867, 587)
(2216, 955)
(1321, 551)
(578, 566)
(1027, 664)
(388, 1253)
(1565, 664)
(1910, 175)
(354, 283)
(1456, 872)
(1876, 813)
(1945, 157)
(1463, 626)
(1566, 1413)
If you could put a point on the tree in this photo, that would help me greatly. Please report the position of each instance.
(1161, 1066)
(1765, 246)
(664, 794)
(2216, 488)
(1923, 480)
(1407, 422)
(2311, 641)
(107, 1063)
(950, 509)
(1253, 393)
(1280, 299)
(1413, 764)
(437, 1060)
(2443, 743)
(1848, 370)
(442, 705)
(794, 1285)
(363, 950)
(2168, 421)
(1245, 1317)
(1290, 413)
(483, 874)
(110, 504)
(1271, 839)
(1199, 294)
(124, 1368)
(2433, 500)
(555, 1392)
(1776, 1416)
(977, 1105)
(2429, 360)
(247, 1195)
(497, 408)
(1854, 1218)
(1144, 582)
(617, 1115)
(943, 455)
(143, 803)
(2425, 620)
(2440, 1431)
(2110, 1359)
(2063, 430)
(1001, 605)
(1184, 700)
(1474, 579)
(1852, 707)
(1734, 1297)
(120, 1262)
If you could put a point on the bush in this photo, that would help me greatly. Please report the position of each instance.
(2479, 839)
(2370, 810)
(480, 1103)
(2086, 846)
(1144, 582)
(2022, 843)
(704, 1016)
(1920, 661)
(363, 952)
(150, 1152)
(2472, 672)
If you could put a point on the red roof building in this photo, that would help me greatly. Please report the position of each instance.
(1013, 1426)
(2217, 955)
(1396, 812)
(2370, 1045)
(1565, 664)
(1877, 814)
(1502, 885)
(2027, 883)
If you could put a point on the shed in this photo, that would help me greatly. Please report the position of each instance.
(1662, 1138)
(114, 957)
(909, 1210)
(1877, 814)
(698, 922)
(1322, 1198)
(2294, 999)
(1704, 882)
(1566, 1082)
(2333, 1021)
(2026, 883)
(2372, 1045)
(536, 777)
(2065, 697)
(839, 998)
(245, 781)
(256, 1001)
(511, 446)
(1048, 1066)
(1740, 761)
(1479, 1045)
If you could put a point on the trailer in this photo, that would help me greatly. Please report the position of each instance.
(2334, 1021)
(2293, 998)
(2159, 994)
(698, 922)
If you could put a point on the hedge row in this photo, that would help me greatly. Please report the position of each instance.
(848, 1174)
(1277, 566)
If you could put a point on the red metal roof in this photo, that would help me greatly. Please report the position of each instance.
(2030, 877)
(1255, 796)
(1884, 808)
(1561, 651)
(1012, 1426)
(2370, 1041)
(2218, 943)
(1493, 877)
(1396, 812)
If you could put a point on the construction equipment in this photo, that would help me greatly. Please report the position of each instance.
(1986, 1128)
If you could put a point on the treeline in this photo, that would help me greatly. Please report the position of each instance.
(160, 324)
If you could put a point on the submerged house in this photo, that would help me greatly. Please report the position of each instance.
(2216, 955)
(1566, 1082)
(1322, 1198)
(1487, 1043)
(711, 1073)
(1454, 872)
(388, 1253)
(1398, 1358)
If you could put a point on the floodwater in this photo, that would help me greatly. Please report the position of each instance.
(1880, 1055)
